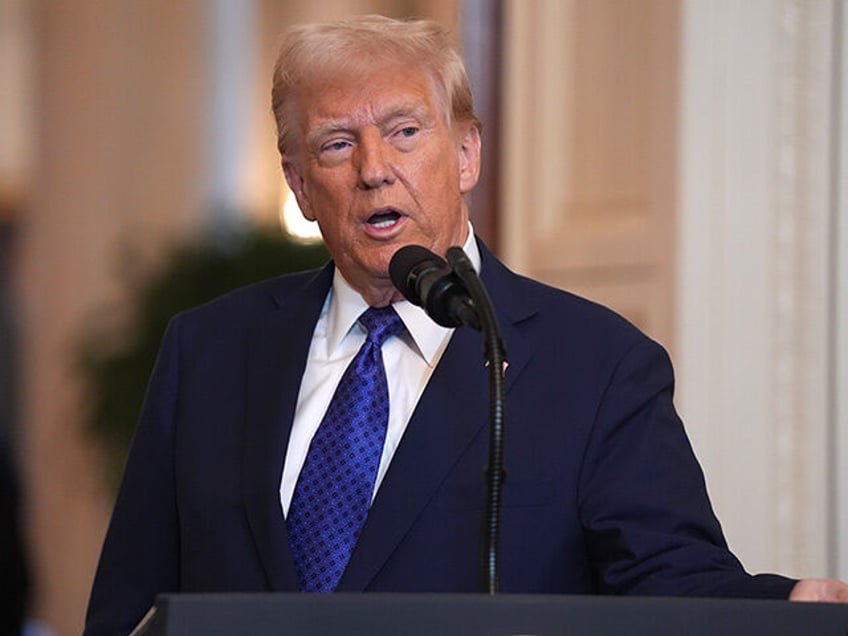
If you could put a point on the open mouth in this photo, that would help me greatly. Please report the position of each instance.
(383, 219)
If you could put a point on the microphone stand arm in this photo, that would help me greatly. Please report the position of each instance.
(494, 352)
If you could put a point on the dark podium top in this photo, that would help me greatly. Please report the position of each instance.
(472, 615)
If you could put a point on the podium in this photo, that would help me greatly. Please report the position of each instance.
(481, 615)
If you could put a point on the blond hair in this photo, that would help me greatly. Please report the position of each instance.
(309, 50)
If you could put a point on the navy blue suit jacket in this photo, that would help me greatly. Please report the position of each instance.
(603, 493)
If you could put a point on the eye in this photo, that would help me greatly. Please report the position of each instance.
(406, 137)
(336, 146)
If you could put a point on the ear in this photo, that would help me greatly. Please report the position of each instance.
(294, 178)
(469, 158)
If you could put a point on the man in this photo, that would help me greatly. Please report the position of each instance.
(380, 145)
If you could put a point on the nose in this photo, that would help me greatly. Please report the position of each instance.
(375, 169)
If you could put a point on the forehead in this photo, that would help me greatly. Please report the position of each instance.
(366, 95)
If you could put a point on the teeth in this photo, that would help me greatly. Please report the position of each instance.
(384, 219)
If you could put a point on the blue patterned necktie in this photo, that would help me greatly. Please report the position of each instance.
(333, 492)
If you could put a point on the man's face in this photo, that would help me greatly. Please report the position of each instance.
(378, 168)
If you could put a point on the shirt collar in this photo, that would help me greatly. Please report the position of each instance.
(345, 305)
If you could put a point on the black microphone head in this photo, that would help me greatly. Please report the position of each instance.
(406, 265)
(425, 279)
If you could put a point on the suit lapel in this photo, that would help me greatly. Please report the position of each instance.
(439, 432)
(276, 359)
(440, 429)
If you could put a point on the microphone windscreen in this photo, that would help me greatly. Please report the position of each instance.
(401, 267)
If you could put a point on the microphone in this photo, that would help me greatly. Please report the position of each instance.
(425, 279)
(452, 294)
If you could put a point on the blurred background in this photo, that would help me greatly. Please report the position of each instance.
(684, 161)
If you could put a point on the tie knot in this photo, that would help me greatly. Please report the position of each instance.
(381, 323)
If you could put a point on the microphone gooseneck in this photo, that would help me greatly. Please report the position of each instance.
(453, 295)
(494, 352)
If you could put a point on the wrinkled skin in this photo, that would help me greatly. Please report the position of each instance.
(378, 166)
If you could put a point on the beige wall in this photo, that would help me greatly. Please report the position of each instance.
(16, 72)
(116, 153)
(589, 151)
(758, 327)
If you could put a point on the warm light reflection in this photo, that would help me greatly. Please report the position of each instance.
(293, 222)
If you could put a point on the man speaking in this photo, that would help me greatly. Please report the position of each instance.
(318, 432)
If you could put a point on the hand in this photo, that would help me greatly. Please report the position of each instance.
(820, 591)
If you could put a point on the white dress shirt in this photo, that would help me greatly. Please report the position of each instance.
(409, 358)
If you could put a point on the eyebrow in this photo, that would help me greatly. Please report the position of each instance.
(413, 109)
(416, 110)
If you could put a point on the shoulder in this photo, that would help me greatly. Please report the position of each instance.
(548, 312)
(245, 304)
(223, 328)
